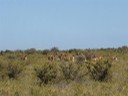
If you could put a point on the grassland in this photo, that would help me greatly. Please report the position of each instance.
(37, 76)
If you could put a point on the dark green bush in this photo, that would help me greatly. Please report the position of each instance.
(48, 72)
(13, 70)
(9, 69)
(8, 51)
(99, 70)
(76, 51)
(45, 52)
(69, 70)
(30, 51)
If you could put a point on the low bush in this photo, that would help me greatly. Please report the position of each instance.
(9, 69)
(13, 70)
(69, 70)
(99, 70)
(48, 72)
(45, 52)
(30, 51)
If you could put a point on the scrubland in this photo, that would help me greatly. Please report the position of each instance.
(38, 76)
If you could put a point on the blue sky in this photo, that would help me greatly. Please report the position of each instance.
(66, 24)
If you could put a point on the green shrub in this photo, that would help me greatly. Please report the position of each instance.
(69, 70)
(9, 69)
(45, 52)
(48, 72)
(99, 70)
(30, 51)
(13, 70)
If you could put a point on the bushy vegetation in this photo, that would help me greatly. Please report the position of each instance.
(37, 76)
(10, 68)
(48, 72)
(100, 70)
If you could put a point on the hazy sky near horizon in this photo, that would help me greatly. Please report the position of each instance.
(65, 24)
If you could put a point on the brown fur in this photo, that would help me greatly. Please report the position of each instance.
(51, 58)
(66, 57)
(24, 57)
